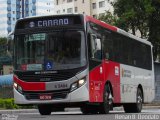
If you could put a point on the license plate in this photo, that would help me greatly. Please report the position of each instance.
(45, 97)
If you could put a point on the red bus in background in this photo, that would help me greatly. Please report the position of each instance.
(77, 61)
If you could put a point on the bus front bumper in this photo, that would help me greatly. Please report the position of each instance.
(79, 95)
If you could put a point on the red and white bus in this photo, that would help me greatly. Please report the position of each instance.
(77, 61)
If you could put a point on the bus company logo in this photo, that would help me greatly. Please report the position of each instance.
(116, 70)
(31, 24)
(126, 73)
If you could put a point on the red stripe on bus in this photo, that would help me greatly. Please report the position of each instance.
(110, 72)
(103, 24)
(30, 86)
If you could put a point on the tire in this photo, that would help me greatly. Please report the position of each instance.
(135, 107)
(139, 102)
(105, 106)
(45, 109)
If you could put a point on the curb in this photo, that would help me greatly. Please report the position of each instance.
(151, 107)
(12, 111)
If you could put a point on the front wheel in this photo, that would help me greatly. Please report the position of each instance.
(107, 101)
(135, 107)
(45, 109)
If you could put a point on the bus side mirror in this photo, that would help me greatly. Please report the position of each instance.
(98, 44)
(95, 45)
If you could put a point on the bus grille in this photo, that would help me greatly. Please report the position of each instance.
(47, 77)
(55, 95)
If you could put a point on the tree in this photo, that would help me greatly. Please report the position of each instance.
(134, 14)
(154, 28)
(109, 18)
(3, 45)
(142, 16)
(3, 50)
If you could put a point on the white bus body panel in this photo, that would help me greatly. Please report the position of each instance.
(131, 78)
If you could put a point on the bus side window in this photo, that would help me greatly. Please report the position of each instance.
(108, 46)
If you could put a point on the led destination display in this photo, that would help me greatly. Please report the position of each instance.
(51, 21)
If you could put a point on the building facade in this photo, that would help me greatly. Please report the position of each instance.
(12, 10)
(72, 6)
(3, 20)
(94, 8)
(99, 7)
(44, 7)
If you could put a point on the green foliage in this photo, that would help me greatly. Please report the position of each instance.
(3, 41)
(3, 52)
(9, 104)
(154, 28)
(134, 14)
(3, 46)
(109, 18)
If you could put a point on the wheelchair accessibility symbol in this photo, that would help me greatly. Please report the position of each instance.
(49, 65)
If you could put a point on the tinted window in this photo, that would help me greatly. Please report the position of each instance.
(127, 51)
(122, 49)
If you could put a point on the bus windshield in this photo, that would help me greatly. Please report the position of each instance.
(55, 50)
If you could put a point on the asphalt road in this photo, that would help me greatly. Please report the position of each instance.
(75, 114)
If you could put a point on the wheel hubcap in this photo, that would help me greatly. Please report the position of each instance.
(139, 100)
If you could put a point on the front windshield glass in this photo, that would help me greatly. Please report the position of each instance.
(50, 51)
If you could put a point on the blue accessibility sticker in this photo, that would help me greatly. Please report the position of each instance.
(49, 65)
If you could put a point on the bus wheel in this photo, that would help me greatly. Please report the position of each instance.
(45, 109)
(135, 107)
(105, 106)
(138, 105)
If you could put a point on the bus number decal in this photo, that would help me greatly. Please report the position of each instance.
(116, 70)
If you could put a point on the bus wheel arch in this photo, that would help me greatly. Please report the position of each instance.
(108, 83)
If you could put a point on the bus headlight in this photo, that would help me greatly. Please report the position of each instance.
(18, 88)
(15, 85)
(78, 84)
(81, 82)
(74, 86)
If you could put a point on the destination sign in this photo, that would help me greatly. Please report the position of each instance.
(50, 21)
